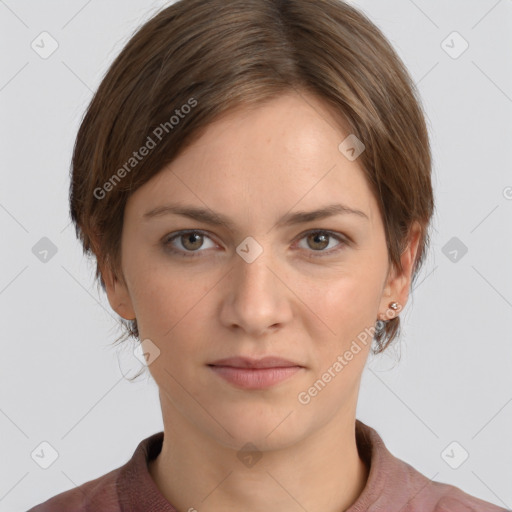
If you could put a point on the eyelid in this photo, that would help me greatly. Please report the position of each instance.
(343, 240)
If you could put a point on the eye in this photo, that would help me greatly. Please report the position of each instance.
(193, 240)
(190, 242)
(319, 240)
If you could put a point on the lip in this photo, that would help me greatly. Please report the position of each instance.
(249, 373)
(248, 362)
(255, 378)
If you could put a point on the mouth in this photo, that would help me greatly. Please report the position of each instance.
(247, 362)
(255, 378)
(247, 373)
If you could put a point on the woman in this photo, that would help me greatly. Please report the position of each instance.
(254, 179)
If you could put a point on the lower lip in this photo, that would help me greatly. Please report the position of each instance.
(255, 378)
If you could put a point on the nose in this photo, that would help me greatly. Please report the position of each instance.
(256, 297)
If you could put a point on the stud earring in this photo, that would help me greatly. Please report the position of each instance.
(381, 323)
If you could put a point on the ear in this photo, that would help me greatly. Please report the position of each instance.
(116, 288)
(118, 295)
(397, 286)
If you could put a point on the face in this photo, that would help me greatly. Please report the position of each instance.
(265, 282)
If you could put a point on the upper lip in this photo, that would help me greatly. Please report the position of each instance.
(247, 362)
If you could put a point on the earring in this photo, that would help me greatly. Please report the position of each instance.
(381, 323)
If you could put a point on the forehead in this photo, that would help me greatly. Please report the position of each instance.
(264, 160)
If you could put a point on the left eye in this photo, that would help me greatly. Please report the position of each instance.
(320, 238)
(192, 241)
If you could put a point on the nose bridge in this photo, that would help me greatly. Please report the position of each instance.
(256, 300)
(252, 272)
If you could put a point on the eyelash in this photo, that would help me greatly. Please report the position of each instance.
(168, 239)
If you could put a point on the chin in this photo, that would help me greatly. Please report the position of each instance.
(267, 430)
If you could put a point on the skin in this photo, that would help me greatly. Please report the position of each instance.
(295, 300)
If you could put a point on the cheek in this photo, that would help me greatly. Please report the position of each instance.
(344, 307)
(169, 301)
(155, 293)
(351, 294)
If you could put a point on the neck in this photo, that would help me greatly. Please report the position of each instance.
(323, 471)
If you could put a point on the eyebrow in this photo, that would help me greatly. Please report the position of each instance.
(216, 219)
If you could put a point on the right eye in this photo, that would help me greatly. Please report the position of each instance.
(190, 241)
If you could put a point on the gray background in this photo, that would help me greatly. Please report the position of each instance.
(449, 380)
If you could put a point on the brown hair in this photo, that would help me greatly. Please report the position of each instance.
(198, 59)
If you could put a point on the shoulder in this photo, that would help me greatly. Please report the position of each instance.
(97, 494)
(432, 496)
(453, 499)
(114, 490)
(394, 484)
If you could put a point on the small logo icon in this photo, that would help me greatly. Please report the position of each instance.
(146, 352)
(454, 249)
(44, 250)
(454, 455)
(44, 45)
(351, 147)
(249, 249)
(44, 455)
(249, 455)
(454, 45)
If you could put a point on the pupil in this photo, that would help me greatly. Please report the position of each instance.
(190, 239)
(318, 239)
